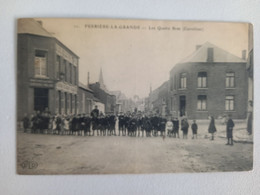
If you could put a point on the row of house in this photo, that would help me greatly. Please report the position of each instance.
(211, 81)
(47, 76)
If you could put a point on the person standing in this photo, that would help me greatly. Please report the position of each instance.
(95, 115)
(230, 126)
(169, 127)
(26, 122)
(212, 128)
(194, 128)
(185, 128)
(176, 127)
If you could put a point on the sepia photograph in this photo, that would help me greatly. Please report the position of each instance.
(124, 96)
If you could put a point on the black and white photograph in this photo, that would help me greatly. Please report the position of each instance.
(128, 96)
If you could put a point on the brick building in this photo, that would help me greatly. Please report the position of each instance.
(211, 81)
(100, 92)
(158, 99)
(47, 71)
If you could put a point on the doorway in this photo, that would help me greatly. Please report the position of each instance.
(41, 99)
(182, 105)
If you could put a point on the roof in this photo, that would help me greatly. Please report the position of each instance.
(31, 26)
(220, 55)
(81, 85)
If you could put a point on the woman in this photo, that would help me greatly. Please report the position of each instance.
(212, 129)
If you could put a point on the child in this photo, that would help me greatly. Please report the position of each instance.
(169, 127)
(194, 128)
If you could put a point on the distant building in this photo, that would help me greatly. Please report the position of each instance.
(86, 99)
(158, 99)
(211, 81)
(47, 72)
(101, 92)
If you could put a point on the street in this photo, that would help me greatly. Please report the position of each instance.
(56, 154)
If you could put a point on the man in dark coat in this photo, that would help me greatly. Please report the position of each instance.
(95, 115)
(162, 125)
(230, 126)
(176, 127)
(121, 125)
(194, 128)
(185, 128)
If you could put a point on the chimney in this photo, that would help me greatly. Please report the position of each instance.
(244, 54)
(88, 79)
(210, 55)
(40, 22)
(197, 47)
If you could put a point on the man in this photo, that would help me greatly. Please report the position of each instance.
(162, 125)
(185, 127)
(121, 123)
(112, 124)
(176, 127)
(230, 126)
(95, 115)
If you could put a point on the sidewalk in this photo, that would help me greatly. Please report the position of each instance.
(240, 134)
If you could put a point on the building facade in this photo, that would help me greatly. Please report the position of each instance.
(47, 72)
(212, 82)
(158, 99)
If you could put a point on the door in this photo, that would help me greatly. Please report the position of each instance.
(182, 105)
(41, 99)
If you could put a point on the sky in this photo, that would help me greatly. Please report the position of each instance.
(134, 58)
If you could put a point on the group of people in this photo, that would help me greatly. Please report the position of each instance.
(130, 124)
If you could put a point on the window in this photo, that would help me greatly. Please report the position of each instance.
(183, 80)
(202, 102)
(76, 102)
(71, 73)
(57, 68)
(66, 101)
(75, 75)
(71, 105)
(68, 72)
(40, 67)
(202, 80)
(59, 102)
(230, 79)
(229, 105)
(65, 69)
(83, 102)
